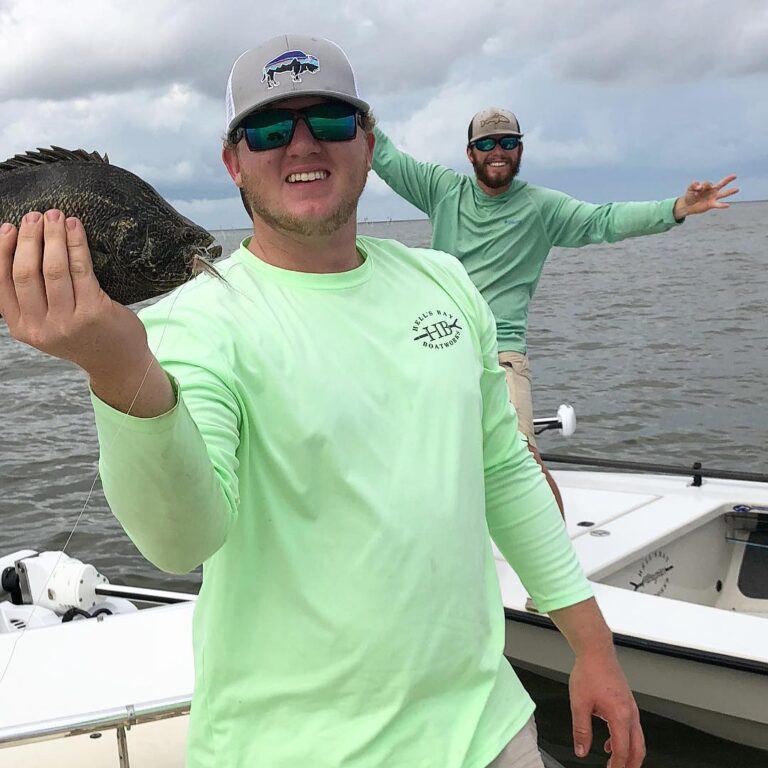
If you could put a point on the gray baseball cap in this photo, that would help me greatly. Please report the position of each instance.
(285, 66)
(493, 122)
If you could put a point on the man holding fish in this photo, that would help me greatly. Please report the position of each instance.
(325, 427)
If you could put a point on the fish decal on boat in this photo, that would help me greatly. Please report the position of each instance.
(296, 62)
(653, 570)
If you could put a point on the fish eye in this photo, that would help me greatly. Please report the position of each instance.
(189, 235)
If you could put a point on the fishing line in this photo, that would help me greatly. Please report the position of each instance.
(213, 273)
(23, 631)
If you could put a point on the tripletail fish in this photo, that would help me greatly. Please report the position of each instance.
(141, 246)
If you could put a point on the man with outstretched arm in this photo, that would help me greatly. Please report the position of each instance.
(502, 229)
(327, 430)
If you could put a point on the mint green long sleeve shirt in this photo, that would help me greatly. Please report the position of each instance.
(503, 241)
(341, 448)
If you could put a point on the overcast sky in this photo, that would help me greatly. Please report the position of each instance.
(618, 100)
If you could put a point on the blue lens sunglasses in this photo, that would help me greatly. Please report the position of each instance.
(274, 128)
(488, 143)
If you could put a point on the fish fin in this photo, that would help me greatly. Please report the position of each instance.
(52, 155)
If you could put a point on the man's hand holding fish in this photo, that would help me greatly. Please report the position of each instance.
(51, 300)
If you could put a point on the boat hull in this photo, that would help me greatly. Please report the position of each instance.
(726, 702)
(667, 570)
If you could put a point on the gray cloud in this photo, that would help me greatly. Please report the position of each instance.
(606, 91)
(60, 51)
(656, 42)
(54, 50)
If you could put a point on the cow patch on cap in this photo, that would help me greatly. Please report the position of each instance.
(296, 62)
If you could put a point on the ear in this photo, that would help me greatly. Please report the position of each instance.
(371, 142)
(232, 162)
(469, 153)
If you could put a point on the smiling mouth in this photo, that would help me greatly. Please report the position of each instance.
(294, 178)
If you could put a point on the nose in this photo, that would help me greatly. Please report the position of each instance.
(303, 142)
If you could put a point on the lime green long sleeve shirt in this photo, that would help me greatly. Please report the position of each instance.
(503, 241)
(341, 447)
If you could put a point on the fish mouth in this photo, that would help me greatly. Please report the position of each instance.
(212, 252)
(207, 248)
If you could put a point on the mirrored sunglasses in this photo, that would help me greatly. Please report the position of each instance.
(274, 128)
(488, 143)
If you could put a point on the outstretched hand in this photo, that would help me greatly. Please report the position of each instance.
(598, 688)
(702, 196)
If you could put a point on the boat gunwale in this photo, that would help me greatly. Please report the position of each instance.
(697, 655)
(113, 718)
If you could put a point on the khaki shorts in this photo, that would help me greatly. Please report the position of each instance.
(522, 751)
(518, 371)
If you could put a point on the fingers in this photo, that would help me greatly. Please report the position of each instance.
(84, 283)
(637, 746)
(727, 193)
(27, 268)
(45, 266)
(67, 265)
(56, 277)
(626, 744)
(697, 186)
(9, 305)
(581, 715)
(619, 743)
(727, 180)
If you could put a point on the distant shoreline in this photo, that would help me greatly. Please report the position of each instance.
(425, 218)
(389, 221)
(366, 222)
(361, 222)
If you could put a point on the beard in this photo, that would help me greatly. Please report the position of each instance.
(499, 178)
(305, 227)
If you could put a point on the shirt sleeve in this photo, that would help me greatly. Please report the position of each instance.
(171, 480)
(522, 514)
(572, 223)
(421, 184)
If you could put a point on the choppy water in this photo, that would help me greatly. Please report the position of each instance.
(659, 342)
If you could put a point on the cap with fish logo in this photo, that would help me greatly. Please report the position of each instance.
(285, 66)
(493, 122)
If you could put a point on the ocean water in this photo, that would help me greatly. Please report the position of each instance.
(658, 342)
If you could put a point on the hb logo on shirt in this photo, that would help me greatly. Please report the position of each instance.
(437, 329)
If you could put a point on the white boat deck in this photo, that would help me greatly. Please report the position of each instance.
(637, 512)
(95, 666)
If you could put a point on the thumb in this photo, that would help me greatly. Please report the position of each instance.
(581, 716)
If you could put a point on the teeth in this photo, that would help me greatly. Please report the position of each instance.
(310, 176)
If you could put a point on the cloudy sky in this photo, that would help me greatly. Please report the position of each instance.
(618, 100)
